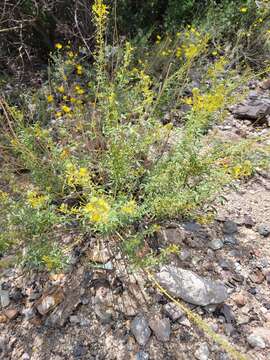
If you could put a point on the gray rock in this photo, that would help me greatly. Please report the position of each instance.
(173, 311)
(190, 287)
(223, 356)
(140, 329)
(264, 230)
(202, 353)
(256, 341)
(161, 328)
(184, 254)
(4, 298)
(230, 240)
(25, 356)
(142, 355)
(230, 227)
(255, 109)
(29, 313)
(74, 319)
(216, 244)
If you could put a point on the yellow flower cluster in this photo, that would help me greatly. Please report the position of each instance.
(35, 200)
(100, 10)
(77, 176)
(97, 210)
(210, 102)
(3, 197)
(242, 170)
(129, 208)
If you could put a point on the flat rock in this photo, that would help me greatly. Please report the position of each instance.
(202, 353)
(230, 227)
(4, 298)
(191, 287)
(99, 255)
(255, 109)
(173, 311)
(61, 313)
(260, 337)
(161, 328)
(216, 244)
(49, 301)
(140, 329)
(11, 314)
(256, 341)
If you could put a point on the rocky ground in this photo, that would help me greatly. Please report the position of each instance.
(114, 312)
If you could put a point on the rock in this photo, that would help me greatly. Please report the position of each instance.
(184, 254)
(79, 351)
(4, 298)
(11, 314)
(230, 240)
(202, 353)
(240, 299)
(259, 336)
(29, 313)
(242, 319)
(140, 329)
(49, 301)
(248, 221)
(216, 244)
(264, 230)
(229, 329)
(104, 316)
(99, 255)
(226, 264)
(255, 109)
(173, 311)
(257, 276)
(184, 321)
(161, 328)
(60, 314)
(265, 85)
(127, 305)
(256, 341)
(74, 319)
(192, 226)
(142, 355)
(230, 227)
(25, 356)
(190, 287)
(3, 318)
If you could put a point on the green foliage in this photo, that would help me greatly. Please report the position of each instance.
(97, 153)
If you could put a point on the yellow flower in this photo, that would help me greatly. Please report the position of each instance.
(70, 54)
(97, 210)
(75, 176)
(79, 90)
(50, 98)
(79, 69)
(129, 208)
(66, 109)
(61, 89)
(244, 9)
(58, 46)
(64, 154)
(214, 53)
(72, 100)
(178, 52)
(58, 114)
(35, 200)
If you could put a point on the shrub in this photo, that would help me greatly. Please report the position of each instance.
(99, 158)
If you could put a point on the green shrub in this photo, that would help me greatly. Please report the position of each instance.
(98, 155)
